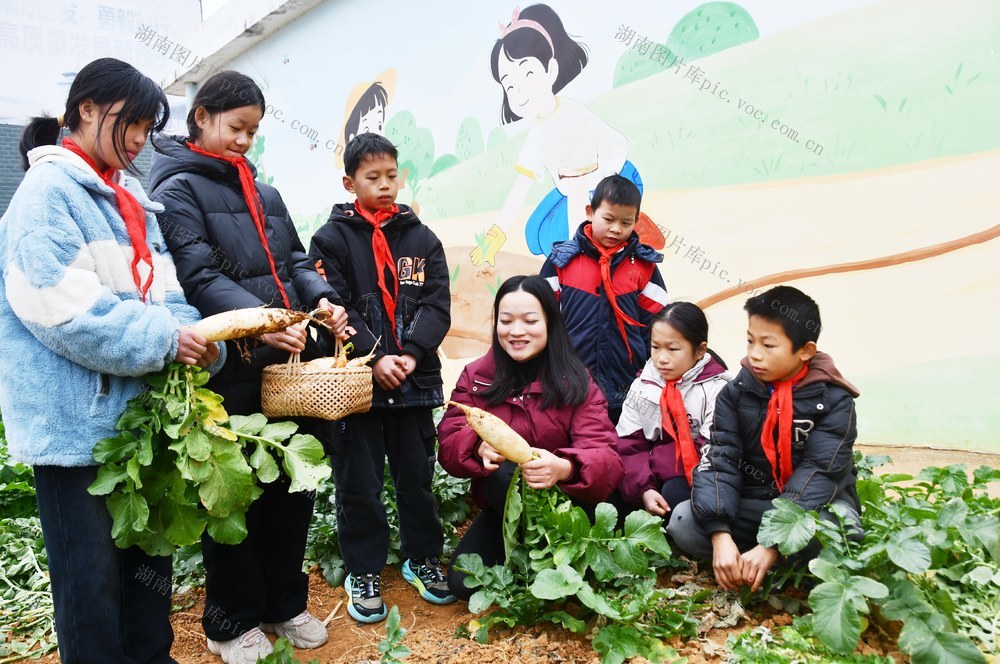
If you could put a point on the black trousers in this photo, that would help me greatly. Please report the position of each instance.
(111, 604)
(261, 578)
(406, 438)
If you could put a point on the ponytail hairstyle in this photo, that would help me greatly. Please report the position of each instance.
(523, 39)
(564, 377)
(104, 82)
(690, 321)
(224, 91)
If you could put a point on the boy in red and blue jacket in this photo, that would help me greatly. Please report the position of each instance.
(609, 289)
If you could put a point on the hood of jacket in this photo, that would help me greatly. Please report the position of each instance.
(178, 158)
(563, 252)
(80, 171)
(703, 370)
(346, 213)
(821, 370)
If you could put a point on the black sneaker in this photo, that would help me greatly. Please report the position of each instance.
(365, 604)
(425, 575)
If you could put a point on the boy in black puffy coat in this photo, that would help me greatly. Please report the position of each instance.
(784, 428)
(390, 271)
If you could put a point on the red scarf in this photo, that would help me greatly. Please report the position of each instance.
(779, 415)
(674, 421)
(621, 318)
(133, 214)
(252, 199)
(383, 258)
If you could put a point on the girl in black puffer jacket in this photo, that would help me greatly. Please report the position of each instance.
(235, 247)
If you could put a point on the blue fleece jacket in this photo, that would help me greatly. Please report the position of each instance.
(76, 334)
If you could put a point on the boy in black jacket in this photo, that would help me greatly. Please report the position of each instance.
(784, 428)
(391, 273)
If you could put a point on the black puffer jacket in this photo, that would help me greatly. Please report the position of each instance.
(342, 249)
(733, 464)
(221, 263)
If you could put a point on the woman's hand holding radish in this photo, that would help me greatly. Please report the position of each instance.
(292, 339)
(490, 457)
(193, 348)
(546, 470)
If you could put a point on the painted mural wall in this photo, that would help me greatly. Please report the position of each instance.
(849, 150)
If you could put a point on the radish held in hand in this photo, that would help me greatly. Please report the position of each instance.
(497, 433)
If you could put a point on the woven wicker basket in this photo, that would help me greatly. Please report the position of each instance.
(290, 390)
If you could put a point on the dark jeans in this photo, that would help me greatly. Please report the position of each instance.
(406, 438)
(261, 578)
(111, 604)
(692, 539)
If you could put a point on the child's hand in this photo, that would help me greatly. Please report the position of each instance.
(407, 363)
(387, 373)
(337, 321)
(546, 470)
(291, 339)
(193, 348)
(491, 458)
(654, 502)
(726, 561)
(756, 562)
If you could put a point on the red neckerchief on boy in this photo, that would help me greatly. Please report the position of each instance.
(621, 318)
(133, 214)
(252, 199)
(383, 258)
(779, 415)
(674, 420)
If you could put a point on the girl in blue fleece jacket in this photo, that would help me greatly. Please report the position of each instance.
(89, 302)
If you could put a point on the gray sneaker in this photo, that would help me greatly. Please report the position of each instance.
(304, 631)
(246, 649)
(365, 598)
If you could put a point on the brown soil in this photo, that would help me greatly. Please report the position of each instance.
(434, 632)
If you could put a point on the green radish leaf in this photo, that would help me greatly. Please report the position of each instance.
(115, 449)
(616, 643)
(557, 583)
(184, 524)
(278, 431)
(597, 602)
(197, 444)
(605, 520)
(262, 461)
(908, 553)
(929, 646)
(129, 512)
(108, 477)
(835, 618)
(229, 530)
(827, 571)
(787, 526)
(302, 460)
(247, 424)
(643, 528)
(230, 485)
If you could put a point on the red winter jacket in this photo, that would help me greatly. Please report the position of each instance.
(583, 434)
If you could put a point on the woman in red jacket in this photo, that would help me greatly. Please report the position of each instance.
(531, 379)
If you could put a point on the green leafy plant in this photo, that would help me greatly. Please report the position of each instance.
(561, 568)
(393, 650)
(181, 465)
(27, 627)
(929, 558)
(283, 653)
(794, 644)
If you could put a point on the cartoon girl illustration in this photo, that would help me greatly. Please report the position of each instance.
(366, 109)
(533, 60)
